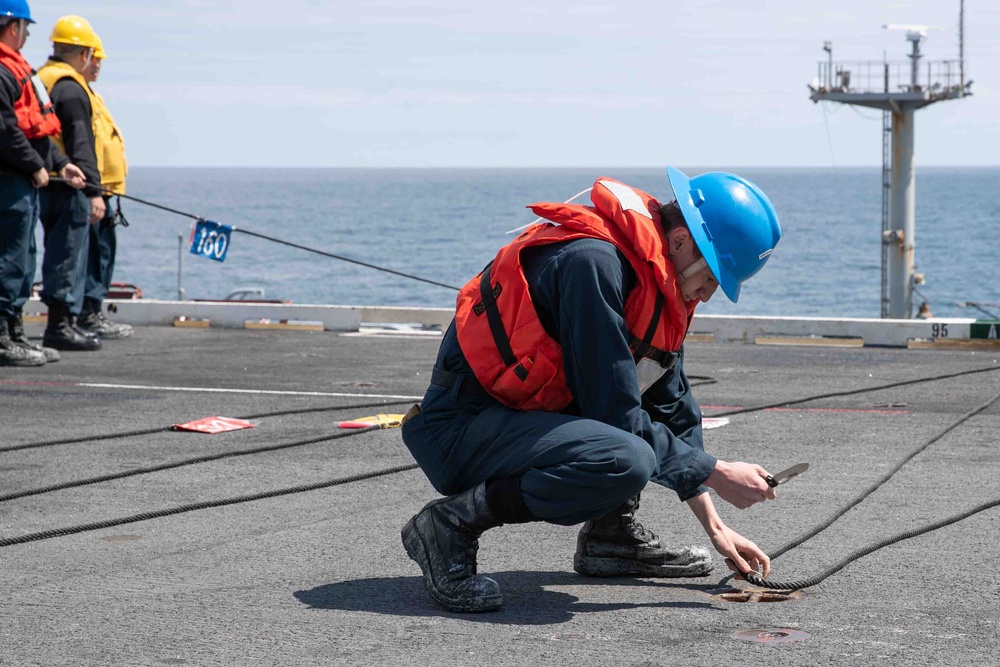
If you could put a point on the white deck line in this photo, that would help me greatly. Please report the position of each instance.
(225, 390)
(730, 328)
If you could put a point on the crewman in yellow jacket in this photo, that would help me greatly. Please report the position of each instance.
(103, 240)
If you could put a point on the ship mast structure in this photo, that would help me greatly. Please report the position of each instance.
(899, 89)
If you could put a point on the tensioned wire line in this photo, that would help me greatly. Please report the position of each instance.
(342, 258)
(162, 429)
(758, 580)
(104, 191)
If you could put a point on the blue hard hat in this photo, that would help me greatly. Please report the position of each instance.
(16, 9)
(732, 222)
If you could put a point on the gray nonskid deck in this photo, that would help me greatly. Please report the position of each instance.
(320, 577)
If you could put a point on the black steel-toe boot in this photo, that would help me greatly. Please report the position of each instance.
(13, 354)
(443, 538)
(93, 320)
(15, 326)
(62, 335)
(616, 545)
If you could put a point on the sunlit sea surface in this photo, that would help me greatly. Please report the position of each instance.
(446, 224)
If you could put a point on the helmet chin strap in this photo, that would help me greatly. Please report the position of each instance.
(693, 269)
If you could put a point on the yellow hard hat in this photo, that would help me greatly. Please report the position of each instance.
(99, 49)
(74, 30)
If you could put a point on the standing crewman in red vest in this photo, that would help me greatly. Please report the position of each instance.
(559, 389)
(27, 121)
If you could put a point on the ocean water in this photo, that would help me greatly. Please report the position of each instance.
(446, 224)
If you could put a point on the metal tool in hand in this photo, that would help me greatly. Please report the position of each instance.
(785, 475)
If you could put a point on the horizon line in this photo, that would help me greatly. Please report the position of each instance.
(560, 167)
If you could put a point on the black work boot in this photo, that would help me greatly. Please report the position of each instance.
(443, 539)
(13, 354)
(93, 320)
(15, 326)
(62, 335)
(616, 545)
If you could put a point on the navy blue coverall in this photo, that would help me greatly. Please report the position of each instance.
(65, 212)
(20, 158)
(583, 462)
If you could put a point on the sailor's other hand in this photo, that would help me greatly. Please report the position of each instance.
(740, 484)
(741, 554)
(74, 176)
(40, 178)
(97, 209)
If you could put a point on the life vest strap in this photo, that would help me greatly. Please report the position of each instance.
(643, 348)
(489, 305)
(664, 358)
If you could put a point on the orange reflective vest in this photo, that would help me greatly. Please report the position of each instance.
(498, 329)
(35, 115)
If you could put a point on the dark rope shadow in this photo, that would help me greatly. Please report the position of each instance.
(526, 600)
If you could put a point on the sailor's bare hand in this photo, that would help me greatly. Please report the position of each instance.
(74, 176)
(741, 554)
(40, 178)
(97, 209)
(740, 484)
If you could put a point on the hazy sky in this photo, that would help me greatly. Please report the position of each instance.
(404, 83)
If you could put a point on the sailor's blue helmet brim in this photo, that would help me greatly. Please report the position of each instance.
(681, 185)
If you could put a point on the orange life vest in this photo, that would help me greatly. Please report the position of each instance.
(500, 334)
(35, 115)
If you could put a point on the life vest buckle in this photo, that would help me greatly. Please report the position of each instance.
(481, 307)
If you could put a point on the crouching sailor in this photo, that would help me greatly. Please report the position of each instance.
(559, 389)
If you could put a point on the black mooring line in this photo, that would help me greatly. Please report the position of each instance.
(758, 580)
(753, 577)
(163, 429)
(179, 464)
(72, 530)
(852, 392)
